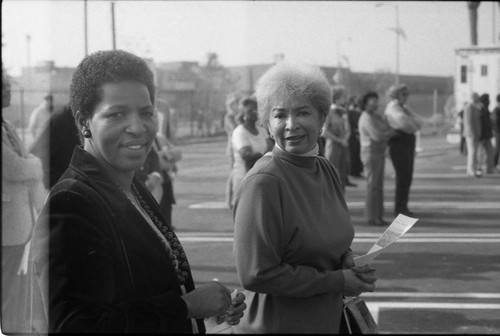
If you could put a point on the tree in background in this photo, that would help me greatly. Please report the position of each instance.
(214, 83)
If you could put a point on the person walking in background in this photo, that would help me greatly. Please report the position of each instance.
(292, 225)
(460, 121)
(249, 143)
(168, 155)
(374, 132)
(337, 132)
(55, 144)
(353, 115)
(150, 174)
(40, 116)
(472, 133)
(230, 123)
(485, 151)
(105, 259)
(402, 146)
(496, 131)
(22, 198)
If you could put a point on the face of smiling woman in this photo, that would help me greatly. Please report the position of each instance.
(123, 128)
(295, 124)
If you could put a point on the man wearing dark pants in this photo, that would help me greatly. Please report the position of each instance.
(402, 146)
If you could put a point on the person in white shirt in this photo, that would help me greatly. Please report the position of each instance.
(374, 131)
(402, 146)
(472, 133)
(249, 142)
(40, 116)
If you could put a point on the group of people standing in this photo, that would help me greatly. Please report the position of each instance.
(479, 127)
(104, 256)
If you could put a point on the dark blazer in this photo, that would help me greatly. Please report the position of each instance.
(109, 272)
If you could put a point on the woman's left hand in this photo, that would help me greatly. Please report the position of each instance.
(348, 261)
(236, 310)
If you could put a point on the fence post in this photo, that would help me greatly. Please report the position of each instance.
(21, 93)
(434, 110)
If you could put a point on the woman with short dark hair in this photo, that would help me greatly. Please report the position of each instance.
(249, 142)
(105, 256)
(374, 131)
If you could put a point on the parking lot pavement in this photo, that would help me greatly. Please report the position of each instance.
(441, 277)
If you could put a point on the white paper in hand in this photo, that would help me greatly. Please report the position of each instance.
(399, 226)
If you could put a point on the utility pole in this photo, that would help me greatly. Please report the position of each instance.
(85, 25)
(398, 30)
(28, 56)
(113, 24)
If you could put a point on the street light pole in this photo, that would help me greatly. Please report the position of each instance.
(28, 56)
(113, 24)
(85, 19)
(398, 31)
(338, 76)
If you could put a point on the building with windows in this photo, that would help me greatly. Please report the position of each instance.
(477, 70)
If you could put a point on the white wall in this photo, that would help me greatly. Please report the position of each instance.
(489, 84)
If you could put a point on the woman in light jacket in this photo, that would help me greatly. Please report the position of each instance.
(374, 131)
(22, 197)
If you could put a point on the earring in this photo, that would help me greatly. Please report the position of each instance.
(86, 133)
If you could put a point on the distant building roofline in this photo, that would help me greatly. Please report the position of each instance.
(478, 48)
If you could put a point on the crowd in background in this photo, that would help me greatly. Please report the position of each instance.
(277, 126)
(480, 135)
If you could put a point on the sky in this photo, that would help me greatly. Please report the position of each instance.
(248, 32)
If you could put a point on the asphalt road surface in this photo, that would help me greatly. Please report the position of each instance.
(443, 276)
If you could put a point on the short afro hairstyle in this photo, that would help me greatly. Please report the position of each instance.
(297, 80)
(109, 66)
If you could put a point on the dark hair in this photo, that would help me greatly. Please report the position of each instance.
(498, 98)
(484, 98)
(109, 66)
(246, 104)
(337, 92)
(369, 95)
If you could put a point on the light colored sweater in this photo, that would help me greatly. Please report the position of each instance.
(292, 229)
(21, 175)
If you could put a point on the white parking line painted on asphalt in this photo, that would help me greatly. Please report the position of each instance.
(435, 235)
(206, 239)
(466, 205)
(454, 187)
(362, 234)
(451, 176)
(464, 167)
(433, 240)
(432, 295)
(429, 240)
(209, 205)
(375, 307)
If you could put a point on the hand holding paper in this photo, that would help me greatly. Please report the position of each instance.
(399, 226)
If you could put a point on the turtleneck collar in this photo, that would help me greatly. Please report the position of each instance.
(306, 160)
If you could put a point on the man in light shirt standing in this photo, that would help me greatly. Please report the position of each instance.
(402, 146)
(472, 133)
